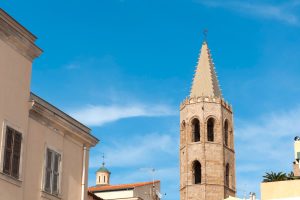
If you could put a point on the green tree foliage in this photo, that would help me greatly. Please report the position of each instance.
(273, 176)
(291, 176)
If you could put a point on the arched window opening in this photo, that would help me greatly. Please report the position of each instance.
(210, 129)
(197, 172)
(227, 175)
(226, 132)
(196, 130)
(104, 179)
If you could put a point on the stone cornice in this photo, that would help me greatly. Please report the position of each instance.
(43, 109)
(18, 37)
(193, 100)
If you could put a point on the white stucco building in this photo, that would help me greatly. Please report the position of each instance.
(131, 191)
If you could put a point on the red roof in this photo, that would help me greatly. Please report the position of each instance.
(119, 187)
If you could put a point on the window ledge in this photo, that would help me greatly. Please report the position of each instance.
(49, 196)
(10, 179)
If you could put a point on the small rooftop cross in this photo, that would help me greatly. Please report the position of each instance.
(103, 163)
(205, 31)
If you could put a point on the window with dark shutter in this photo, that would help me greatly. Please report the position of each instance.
(12, 152)
(8, 151)
(16, 155)
(56, 173)
(48, 171)
(51, 184)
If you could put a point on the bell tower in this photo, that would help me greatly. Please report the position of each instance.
(207, 157)
(102, 175)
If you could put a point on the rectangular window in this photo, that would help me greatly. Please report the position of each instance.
(12, 152)
(52, 172)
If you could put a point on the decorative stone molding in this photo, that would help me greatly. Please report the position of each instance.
(57, 120)
(18, 37)
(193, 100)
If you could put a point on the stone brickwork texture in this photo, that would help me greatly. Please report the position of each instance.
(212, 155)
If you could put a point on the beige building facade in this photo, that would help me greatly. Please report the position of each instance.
(288, 189)
(207, 157)
(43, 152)
(280, 190)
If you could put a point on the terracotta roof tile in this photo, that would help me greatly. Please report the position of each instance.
(119, 187)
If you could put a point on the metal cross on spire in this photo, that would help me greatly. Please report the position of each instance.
(103, 163)
(205, 31)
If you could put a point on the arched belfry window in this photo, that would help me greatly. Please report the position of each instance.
(196, 130)
(210, 129)
(226, 132)
(196, 172)
(227, 175)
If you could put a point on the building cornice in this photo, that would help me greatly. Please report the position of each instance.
(18, 37)
(205, 99)
(58, 118)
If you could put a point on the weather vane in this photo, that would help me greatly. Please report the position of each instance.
(205, 31)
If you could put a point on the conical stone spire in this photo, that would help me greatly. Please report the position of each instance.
(205, 82)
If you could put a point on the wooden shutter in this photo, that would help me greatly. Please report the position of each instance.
(8, 151)
(55, 181)
(16, 154)
(48, 171)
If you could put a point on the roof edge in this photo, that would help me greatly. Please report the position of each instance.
(18, 37)
(19, 27)
(120, 186)
(46, 105)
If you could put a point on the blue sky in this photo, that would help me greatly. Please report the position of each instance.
(123, 67)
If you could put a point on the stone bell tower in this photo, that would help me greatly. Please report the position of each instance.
(207, 157)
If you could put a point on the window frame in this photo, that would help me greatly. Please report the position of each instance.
(54, 152)
(196, 175)
(210, 129)
(3, 136)
(196, 130)
(226, 133)
(227, 175)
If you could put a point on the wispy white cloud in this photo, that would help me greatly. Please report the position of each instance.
(72, 66)
(131, 160)
(281, 12)
(265, 144)
(139, 151)
(98, 115)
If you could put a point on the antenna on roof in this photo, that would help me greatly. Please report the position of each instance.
(154, 193)
(150, 170)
